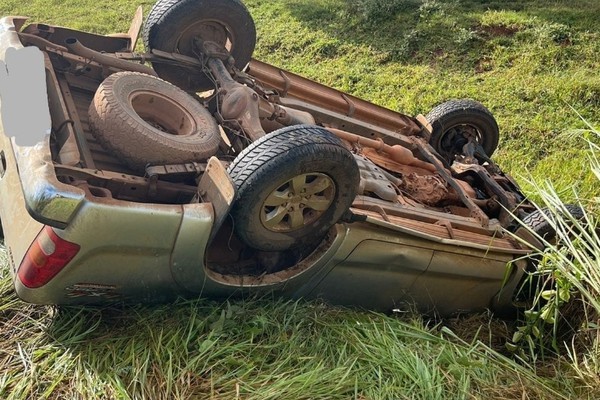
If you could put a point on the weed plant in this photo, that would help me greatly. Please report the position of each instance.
(565, 282)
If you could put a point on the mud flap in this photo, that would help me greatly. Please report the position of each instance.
(217, 188)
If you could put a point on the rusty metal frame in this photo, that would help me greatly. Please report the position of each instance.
(128, 187)
(84, 150)
(296, 87)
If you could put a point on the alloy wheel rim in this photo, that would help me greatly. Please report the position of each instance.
(298, 202)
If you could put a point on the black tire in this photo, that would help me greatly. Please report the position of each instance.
(145, 120)
(172, 25)
(540, 234)
(310, 158)
(539, 223)
(455, 120)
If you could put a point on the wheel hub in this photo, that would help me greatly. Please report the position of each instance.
(298, 202)
(204, 31)
(162, 113)
(455, 138)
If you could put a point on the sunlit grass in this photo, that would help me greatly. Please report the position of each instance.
(255, 349)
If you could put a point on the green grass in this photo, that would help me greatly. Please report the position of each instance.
(257, 349)
(531, 62)
(565, 286)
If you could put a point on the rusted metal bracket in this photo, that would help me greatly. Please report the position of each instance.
(134, 28)
(217, 187)
(427, 128)
(129, 187)
(80, 138)
(507, 201)
(425, 149)
(176, 171)
(448, 225)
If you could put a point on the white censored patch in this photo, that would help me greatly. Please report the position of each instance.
(23, 96)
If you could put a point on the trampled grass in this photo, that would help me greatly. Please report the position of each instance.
(256, 349)
(532, 63)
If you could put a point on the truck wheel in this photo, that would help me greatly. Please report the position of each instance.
(293, 185)
(456, 121)
(539, 233)
(538, 222)
(173, 25)
(145, 120)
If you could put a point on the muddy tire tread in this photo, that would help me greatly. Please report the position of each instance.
(134, 142)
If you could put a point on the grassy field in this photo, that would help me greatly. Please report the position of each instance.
(534, 63)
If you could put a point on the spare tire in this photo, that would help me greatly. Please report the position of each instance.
(145, 120)
(293, 185)
(174, 25)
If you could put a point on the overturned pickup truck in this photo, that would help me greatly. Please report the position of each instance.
(214, 174)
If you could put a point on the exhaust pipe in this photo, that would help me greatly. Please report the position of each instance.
(396, 153)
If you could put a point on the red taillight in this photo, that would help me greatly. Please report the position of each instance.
(45, 258)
